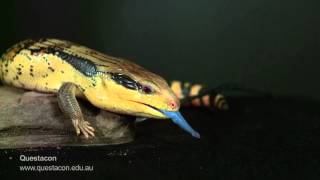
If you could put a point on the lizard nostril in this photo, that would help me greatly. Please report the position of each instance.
(172, 105)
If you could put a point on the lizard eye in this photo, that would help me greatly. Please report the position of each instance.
(147, 90)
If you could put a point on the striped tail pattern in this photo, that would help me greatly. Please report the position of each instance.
(198, 95)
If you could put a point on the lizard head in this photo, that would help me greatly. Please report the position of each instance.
(136, 91)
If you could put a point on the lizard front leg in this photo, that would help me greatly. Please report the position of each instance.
(69, 105)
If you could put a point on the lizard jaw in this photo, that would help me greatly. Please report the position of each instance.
(177, 118)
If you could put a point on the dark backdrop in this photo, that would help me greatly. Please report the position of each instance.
(271, 45)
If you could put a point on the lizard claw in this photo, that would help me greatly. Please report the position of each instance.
(86, 129)
(83, 127)
(75, 123)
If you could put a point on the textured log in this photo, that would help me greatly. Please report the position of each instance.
(30, 119)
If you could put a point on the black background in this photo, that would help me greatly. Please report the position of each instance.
(272, 45)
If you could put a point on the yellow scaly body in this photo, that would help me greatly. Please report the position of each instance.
(44, 65)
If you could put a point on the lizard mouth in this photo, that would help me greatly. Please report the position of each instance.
(176, 117)
(152, 107)
(154, 113)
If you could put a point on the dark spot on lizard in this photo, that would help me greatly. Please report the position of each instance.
(51, 68)
(31, 71)
(83, 89)
(19, 73)
(62, 71)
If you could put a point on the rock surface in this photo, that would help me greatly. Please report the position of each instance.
(30, 119)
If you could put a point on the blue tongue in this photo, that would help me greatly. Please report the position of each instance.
(178, 119)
